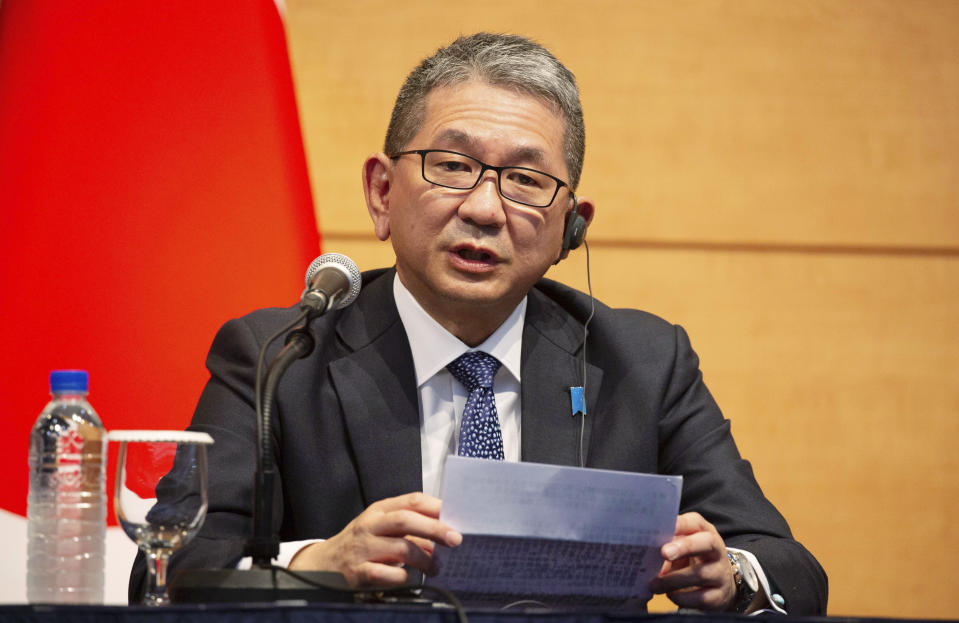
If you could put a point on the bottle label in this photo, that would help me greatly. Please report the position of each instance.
(70, 460)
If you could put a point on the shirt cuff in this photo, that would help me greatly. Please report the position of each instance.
(288, 549)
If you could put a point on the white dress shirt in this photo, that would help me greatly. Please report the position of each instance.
(442, 398)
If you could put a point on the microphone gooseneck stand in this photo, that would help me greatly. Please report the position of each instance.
(266, 582)
(264, 546)
(332, 280)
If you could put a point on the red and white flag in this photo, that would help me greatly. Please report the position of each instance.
(153, 184)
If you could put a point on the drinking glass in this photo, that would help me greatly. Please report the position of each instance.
(160, 495)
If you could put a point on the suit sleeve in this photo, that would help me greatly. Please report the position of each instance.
(696, 442)
(225, 411)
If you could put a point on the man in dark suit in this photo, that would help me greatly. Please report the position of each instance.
(474, 189)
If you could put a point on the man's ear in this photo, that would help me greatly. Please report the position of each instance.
(586, 208)
(376, 189)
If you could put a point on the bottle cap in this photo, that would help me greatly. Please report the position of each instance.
(69, 381)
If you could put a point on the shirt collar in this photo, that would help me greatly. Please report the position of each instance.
(434, 347)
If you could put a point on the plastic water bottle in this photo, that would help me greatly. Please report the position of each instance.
(66, 506)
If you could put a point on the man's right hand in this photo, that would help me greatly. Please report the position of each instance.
(371, 550)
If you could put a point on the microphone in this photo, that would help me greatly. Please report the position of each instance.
(332, 282)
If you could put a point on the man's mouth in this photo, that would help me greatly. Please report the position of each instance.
(470, 259)
(475, 255)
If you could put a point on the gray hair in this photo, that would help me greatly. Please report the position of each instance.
(508, 61)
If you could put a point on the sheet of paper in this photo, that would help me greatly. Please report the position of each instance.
(558, 535)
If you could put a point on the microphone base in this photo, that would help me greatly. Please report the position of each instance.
(191, 586)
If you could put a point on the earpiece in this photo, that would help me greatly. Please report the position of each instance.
(574, 231)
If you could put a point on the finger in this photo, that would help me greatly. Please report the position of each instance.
(418, 501)
(415, 553)
(670, 566)
(688, 523)
(692, 576)
(403, 552)
(379, 575)
(424, 544)
(706, 544)
(422, 505)
(403, 523)
(712, 598)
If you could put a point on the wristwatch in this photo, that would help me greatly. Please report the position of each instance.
(747, 583)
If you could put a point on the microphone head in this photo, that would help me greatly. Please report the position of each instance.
(345, 265)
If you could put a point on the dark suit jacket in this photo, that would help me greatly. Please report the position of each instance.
(347, 428)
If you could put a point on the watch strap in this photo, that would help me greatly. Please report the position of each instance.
(744, 592)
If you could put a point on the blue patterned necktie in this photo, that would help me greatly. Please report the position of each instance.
(480, 435)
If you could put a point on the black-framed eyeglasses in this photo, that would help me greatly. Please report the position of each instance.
(452, 169)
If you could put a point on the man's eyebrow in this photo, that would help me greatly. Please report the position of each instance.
(456, 138)
(520, 156)
(530, 155)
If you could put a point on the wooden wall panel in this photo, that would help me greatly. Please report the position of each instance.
(810, 122)
(838, 372)
(779, 178)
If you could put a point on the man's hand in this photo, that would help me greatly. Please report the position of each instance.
(371, 549)
(696, 572)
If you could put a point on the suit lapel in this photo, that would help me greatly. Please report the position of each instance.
(552, 363)
(376, 387)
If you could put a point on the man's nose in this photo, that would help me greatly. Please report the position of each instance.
(484, 205)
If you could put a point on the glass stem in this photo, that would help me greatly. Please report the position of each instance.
(157, 565)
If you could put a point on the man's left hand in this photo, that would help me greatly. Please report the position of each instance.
(696, 572)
